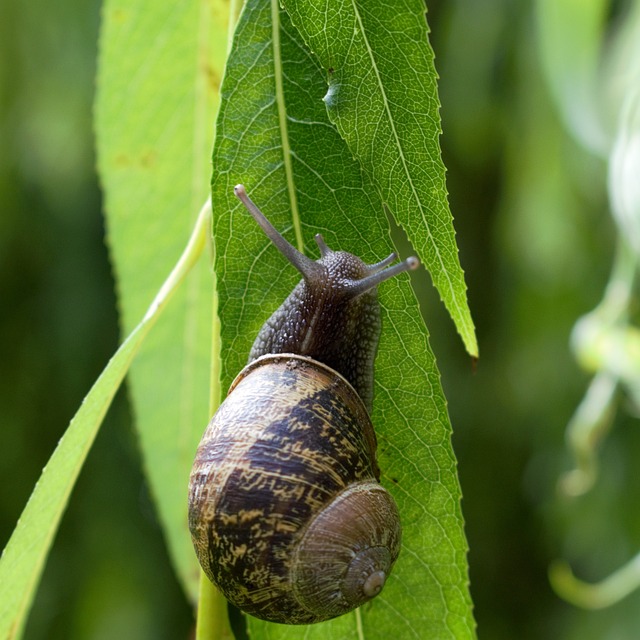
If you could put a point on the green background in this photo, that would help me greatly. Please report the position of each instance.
(536, 242)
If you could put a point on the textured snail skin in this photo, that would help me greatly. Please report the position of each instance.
(285, 510)
(321, 320)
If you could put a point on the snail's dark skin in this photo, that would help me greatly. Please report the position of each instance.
(318, 321)
(285, 509)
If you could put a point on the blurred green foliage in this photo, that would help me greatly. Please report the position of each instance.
(536, 241)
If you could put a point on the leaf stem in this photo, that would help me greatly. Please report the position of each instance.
(235, 7)
(282, 121)
(213, 620)
(188, 258)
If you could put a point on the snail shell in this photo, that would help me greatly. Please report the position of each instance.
(285, 510)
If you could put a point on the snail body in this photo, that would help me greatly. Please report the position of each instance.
(286, 511)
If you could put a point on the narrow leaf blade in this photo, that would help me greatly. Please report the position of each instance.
(383, 99)
(160, 63)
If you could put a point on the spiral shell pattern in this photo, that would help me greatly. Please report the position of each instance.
(286, 514)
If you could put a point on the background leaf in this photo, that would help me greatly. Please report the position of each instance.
(160, 65)
(273, 135)
(383, 98)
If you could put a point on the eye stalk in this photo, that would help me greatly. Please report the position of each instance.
(312, 270)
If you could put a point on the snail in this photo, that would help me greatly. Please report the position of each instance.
(286, 512)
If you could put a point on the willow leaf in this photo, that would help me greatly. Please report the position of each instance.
(273, 135)
(383, 99)
(159, 69)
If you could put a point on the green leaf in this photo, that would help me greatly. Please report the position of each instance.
(383, 98)
(24, 557)
(273, 135)
(160, 65)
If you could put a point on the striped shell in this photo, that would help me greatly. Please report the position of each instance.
(286, 513)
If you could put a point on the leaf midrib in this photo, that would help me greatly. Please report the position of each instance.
(282, 120)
